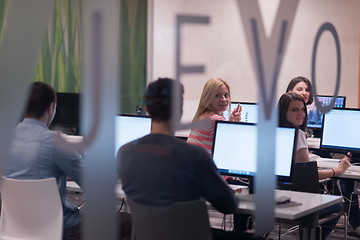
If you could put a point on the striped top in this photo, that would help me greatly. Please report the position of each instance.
(205, 138)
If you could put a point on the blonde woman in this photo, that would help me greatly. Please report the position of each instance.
(214, 101)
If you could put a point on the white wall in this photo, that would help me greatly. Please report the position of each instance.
(222, 48)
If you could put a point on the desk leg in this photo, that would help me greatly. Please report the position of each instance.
(308, 226)
(307, 233)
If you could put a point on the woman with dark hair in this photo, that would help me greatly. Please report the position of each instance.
(302, 86)
(292, 112)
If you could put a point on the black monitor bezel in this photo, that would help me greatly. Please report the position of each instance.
(250, 103)
(132, 115)
(337, 149)
(246, 103)
(316, 127)
(69, 124)
(287, 179)
(336, 97)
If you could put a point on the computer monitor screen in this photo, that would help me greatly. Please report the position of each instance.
(129, 128)
(67, 117)
(241, 139)
(341, 130)
(249, 112)
(315, 118)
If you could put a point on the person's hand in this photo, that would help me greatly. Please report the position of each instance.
(235, 116)
(344, 164)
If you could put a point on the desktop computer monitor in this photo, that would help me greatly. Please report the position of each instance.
(67, 117)
(249, 112)
(315, 118)
(241, 139)
(129, 128)
(341, 130)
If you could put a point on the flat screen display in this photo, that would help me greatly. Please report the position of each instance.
(315, 118)
(249, 112)
(129, 128)
(67, 117)
(241, 139)
(341, 130)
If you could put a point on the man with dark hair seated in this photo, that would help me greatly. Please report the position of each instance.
(159, 169)
(35, 155)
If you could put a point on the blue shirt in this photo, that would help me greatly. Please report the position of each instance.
(34, 155)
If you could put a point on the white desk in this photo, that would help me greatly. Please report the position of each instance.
(305, 213)
(73, 138)
(310, 203)
(353, 172)
(74, 187)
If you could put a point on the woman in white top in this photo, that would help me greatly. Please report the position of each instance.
(292, 113)
(302, 86)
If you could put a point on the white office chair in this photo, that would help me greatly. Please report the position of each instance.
(30, 209)
(181, 220)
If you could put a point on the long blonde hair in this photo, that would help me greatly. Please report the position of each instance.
(207, 96)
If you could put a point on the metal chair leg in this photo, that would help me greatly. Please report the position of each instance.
(279, 231)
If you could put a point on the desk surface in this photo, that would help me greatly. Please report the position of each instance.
(73, 138)
(353, 172)
(310, 203)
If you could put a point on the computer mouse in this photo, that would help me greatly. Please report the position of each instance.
(282, 199)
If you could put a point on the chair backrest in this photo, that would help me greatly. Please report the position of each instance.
(31, 209)
(357, 187)
(306, 178)
(181, 220)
